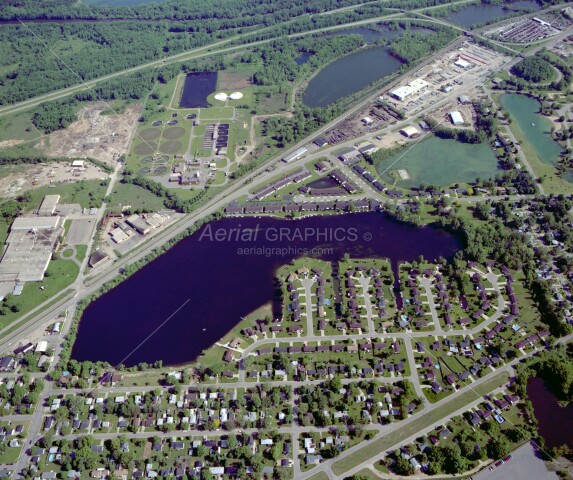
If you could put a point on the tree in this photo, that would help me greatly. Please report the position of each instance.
(498, 447)
(403, 467)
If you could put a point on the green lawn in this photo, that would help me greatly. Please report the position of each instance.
(10, 455)
(139, 198)
(81, 252)
(422, 422)
(216, 113)
(18, 126)
(320, 476)
(88, 193)
(60, 274)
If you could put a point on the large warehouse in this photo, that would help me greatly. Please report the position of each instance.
(48, 206)
(415, 86)
(29, 248)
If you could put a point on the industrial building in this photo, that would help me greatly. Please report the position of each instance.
(456, 118)
(412, 88)
(145, 225)
(119, 235)
(35, 223)
(48, 206)
(410, 132)
(464, 99)
(460, 62)
(29, 248)
(299, 152)
(97, 258)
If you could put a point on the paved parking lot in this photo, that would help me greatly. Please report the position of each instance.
(81, 231)
(523, 465)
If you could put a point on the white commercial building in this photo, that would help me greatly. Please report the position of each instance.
(299, 152)
(413, 87)
(460, 62)
(456, 118)
(410, 132)
(35, 223)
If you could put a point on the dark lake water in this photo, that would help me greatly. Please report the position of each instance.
(325, 182)
(198, 86)
(555, 424)
(368, 34)
(484, 12)
(223, 283)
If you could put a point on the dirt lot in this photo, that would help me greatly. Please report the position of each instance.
(233, 80)
(15, 179)
(103, 137)
(442, 115)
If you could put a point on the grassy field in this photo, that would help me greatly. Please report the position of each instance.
(319, 476)
(60, 274)
(139, 198)
(216, 113)
(18, 126)
(88, 193)
(424, 421)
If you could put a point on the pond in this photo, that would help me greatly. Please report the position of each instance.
(535, 127)
(485, 12)
(442, 162)
(334, 81)
(555, 423)
(225, 280)
(198, 86)
(325, 182)
(303, 58)
(340, 79)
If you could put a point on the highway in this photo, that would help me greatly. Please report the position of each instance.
(213, 49)
(87, 284)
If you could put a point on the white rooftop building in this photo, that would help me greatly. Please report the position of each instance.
(460, 62)
(456, 118)
(405, 91)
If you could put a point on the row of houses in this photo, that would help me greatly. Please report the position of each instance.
(294, 177)
(252, 208)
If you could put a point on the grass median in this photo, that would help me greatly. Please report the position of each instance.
(424, 421)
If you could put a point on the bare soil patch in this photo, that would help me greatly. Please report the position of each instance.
(103, 137)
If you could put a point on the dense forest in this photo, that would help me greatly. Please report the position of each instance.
(227, 13)
(416, 45)
(40, 57)
(534, 69)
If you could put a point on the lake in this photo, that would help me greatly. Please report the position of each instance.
(223, 283)
(374, 63)
(555, 423)
(437, 161)
(535, 127)
(348, 75)
(198, 86)
(485, 12)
